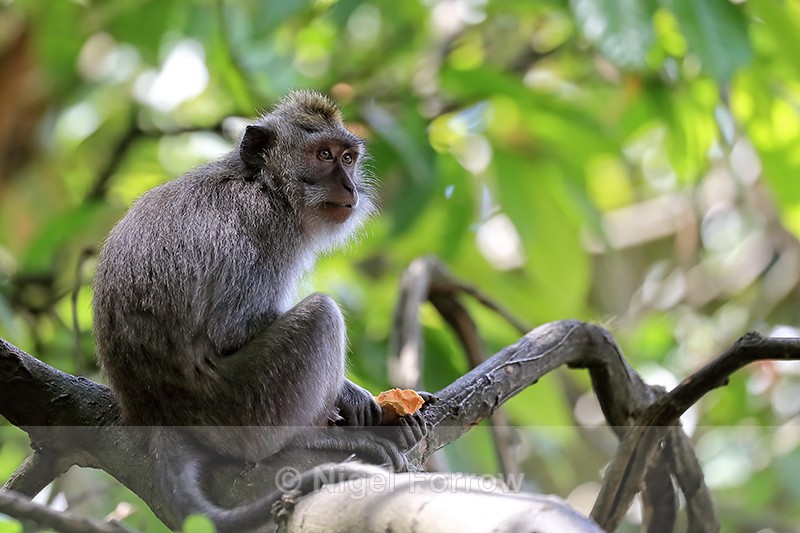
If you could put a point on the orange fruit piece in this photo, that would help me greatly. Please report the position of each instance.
(398, 402)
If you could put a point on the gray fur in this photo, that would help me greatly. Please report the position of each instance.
(193, 311)
(194, 287)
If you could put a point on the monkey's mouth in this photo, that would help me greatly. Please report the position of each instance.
(338, 213)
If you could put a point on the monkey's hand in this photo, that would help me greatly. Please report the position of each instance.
(409, 430)
(357, 407)
(403, 416)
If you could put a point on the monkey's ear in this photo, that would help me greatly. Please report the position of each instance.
(256, 139)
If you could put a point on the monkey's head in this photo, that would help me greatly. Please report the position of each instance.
(302, 150)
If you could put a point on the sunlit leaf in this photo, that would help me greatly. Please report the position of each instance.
(533, 196)
(10, 526)
(716, 30)
(143, 24)
(779, 27)
(621, 29)
(198, 524)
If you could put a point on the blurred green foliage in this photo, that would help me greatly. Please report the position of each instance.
(633, 162)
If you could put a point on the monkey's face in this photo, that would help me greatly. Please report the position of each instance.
(305, 155)
(332, 179)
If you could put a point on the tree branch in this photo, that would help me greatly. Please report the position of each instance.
(92, 439)
(36, 472)
(41, 400)
(414, 502)
(426, 277)
(119, 151)
(636, 450)
(18, 506)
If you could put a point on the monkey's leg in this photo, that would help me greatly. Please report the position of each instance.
(285, 379)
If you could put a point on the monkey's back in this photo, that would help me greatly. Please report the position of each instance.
(185, 277)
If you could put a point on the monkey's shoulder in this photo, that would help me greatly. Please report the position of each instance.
(207, 195)
(173, 228)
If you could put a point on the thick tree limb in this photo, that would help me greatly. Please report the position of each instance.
(34, 394)
(52, 397)
(477, 394)
(432, 503)
(41, 399)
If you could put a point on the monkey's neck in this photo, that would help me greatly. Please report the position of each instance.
(284, 252)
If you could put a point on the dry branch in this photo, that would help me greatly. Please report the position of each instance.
(427, 277)
(656, 424)
(121, 452)
(16, 505)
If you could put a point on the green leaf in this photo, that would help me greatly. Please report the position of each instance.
(780, 27)
(621, 29)
(533, 195)
(57, 48)
(409, 145)
(271, 14)
(554, 124)
(10, 526)
(716, 31)
(222, 64)
(459, 200)
(57, 232)
(198, 524)
(691, 130)
(143, 24)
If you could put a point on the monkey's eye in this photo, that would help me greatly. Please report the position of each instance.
(347, 159)
(325, 153)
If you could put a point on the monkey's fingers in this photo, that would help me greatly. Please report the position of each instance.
(420, 426)
(399, 462)
(357, 407)
(368, 413)
(404, 435)
(428, 397)
(411, 430)
(374, 414)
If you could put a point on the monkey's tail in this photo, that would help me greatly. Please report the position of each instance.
(180, 471)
